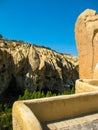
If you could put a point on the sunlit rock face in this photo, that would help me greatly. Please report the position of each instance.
(33, 67)
(86, 34)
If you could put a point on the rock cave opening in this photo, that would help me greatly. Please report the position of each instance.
(11, 93)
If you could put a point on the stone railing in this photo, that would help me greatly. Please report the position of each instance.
(31, 114)
(86, 85)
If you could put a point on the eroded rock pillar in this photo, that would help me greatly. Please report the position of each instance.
(86, 34)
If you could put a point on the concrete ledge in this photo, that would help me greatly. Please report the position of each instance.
(30, 114)
(24, 118)
(86, 85)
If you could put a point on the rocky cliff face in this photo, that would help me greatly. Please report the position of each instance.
(86, 32)
(33, 67)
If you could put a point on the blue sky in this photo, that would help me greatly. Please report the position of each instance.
(43, 22)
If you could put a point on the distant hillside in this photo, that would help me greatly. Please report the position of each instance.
(27, 66)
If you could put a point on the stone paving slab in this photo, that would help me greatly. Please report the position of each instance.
(87, 122)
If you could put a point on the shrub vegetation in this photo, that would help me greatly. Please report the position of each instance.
(5, 110)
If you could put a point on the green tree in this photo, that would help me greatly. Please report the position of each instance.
(1, 36)
(48, 94)
(42, 94)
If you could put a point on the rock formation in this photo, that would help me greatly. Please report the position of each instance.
(32, 67)
(86, 33)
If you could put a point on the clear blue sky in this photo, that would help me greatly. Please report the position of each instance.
(43, 22)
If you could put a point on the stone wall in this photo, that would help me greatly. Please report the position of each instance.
(29, 114)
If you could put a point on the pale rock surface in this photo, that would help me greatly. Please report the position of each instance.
(35, 68)
(95, 75)
(86, 34)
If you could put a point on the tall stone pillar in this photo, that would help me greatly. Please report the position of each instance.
(86, 35)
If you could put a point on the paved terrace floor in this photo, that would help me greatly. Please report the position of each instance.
(87, 122)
